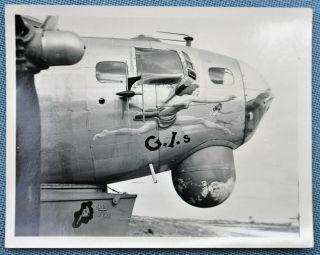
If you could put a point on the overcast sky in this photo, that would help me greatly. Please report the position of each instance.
(274, 42)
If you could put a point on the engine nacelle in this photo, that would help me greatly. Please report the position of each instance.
(206, 178)
(61, 48)
(38, 49)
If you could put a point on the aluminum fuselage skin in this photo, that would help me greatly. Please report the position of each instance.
(71, 115)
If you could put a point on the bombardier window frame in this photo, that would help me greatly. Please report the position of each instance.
(151, 50)
(189, 66)
(221, 76)
(158, 61)
(114, 77)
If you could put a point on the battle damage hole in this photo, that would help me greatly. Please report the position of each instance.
(102, 101)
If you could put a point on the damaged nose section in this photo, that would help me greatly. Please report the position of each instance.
(270, 96)
(255, 110)
(264, 99)
(268, 100)
(258, 97)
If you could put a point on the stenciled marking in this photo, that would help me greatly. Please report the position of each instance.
(153, 143)
(103, 211)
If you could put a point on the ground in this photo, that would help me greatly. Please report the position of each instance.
(150, 226)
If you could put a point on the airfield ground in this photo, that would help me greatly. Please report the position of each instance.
(149, 226)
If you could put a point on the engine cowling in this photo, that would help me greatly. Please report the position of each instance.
(206, 178)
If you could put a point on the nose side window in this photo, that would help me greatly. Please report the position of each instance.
(221, 76)
(164, 64)
(155, 61)
(111, 72)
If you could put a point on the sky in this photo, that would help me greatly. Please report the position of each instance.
(273, 41)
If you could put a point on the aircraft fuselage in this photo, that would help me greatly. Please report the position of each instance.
(92, 135)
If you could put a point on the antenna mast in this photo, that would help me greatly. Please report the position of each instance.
(187, 38)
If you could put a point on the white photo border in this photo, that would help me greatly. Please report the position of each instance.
(305, 239)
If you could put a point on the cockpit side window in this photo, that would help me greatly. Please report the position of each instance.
(159, 63)
(111, 72)
(221, 76)
(189, 65)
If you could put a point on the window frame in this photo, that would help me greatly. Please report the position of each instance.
(113, 81)
(190, 72)
(226, 70)
(155, 49)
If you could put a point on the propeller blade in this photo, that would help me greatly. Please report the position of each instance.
(50, 23)
(21, 28)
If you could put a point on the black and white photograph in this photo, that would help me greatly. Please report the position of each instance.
(170, 127)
